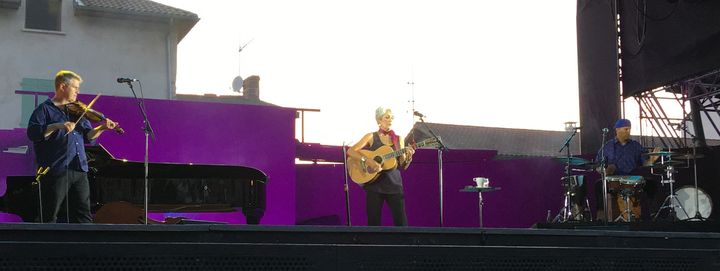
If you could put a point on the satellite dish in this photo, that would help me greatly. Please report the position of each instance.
(237, 83)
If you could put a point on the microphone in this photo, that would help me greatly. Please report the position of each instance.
(418, 114)
(605, 130)
(126, 80)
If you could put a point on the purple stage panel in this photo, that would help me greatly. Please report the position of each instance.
(15, 164)
(422, 187)
(321, 195)
(261, 137)
(529, 188)
(212, 133)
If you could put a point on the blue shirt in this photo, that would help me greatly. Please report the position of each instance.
(626, 158)
(58, 151)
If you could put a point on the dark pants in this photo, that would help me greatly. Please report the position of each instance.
(599, 200)
(374, 202)
(75, 185)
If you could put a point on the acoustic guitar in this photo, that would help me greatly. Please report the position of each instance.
(385, 156)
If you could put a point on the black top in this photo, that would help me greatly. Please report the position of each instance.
(389, 181)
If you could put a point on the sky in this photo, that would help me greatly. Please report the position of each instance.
(483, 63)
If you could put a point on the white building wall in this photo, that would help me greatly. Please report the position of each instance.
(99, 49)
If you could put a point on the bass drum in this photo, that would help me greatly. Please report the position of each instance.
(686, 197)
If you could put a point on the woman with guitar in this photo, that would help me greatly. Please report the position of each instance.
(386, 185)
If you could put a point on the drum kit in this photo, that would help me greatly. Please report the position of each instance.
(575, 204)
(686, 203)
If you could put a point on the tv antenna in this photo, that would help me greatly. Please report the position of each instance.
(412, 94)
(238, 81)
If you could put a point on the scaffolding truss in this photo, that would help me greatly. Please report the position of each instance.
(671, 114)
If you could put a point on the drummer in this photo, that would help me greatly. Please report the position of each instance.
(623, 156)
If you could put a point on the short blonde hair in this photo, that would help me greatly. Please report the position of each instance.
(380, 111)
(64, 77)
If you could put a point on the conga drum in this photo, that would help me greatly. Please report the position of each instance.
(625, 191)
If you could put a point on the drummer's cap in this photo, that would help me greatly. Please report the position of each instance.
(622, 123)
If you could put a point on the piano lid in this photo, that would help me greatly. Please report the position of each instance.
(106, 164)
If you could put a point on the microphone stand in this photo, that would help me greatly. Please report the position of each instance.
(440, 149)
(566, 146)
(39, 175)
(148, 131)
(603, 179)
(567, 209)
(347, 187)
(698, 216)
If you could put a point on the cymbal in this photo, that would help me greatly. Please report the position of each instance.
(660, 153)
(574, 161)
(688, 156)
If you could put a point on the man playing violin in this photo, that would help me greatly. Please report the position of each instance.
(59, 145)
(388, 186)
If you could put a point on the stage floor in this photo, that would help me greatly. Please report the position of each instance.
(235, 247)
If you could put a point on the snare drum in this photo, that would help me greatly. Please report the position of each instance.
(686, 197)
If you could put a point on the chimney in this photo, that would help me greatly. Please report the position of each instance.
(251, 87)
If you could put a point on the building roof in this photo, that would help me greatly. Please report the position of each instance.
(507, 141)
(512, 142)
(138, 9)
(229, 99)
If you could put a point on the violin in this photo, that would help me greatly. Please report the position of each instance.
(77, 108)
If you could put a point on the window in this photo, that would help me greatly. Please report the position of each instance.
(42, 14)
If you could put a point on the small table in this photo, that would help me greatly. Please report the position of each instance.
(479, 190)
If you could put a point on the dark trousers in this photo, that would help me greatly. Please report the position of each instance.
(374, 202)
(599, 200)
(75, 185)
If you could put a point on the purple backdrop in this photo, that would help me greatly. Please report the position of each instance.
(529, 188)
(204, 133)
(263, 137)
(13, 164)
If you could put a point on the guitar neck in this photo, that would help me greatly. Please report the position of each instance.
(402, 151)
(394, 154)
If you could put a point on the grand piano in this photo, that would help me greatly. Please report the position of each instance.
(172, 187)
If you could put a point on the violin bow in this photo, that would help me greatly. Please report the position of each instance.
(86, 110)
